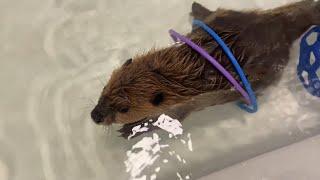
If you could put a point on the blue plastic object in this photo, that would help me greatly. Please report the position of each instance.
(308, 69)
(253, 107)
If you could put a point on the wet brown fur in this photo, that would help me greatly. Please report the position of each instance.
(259, 39)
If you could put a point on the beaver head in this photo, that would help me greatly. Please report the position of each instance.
(148, 85)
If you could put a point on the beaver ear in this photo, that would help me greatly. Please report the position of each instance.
(129, 61)
(157, 98)
(199, 12)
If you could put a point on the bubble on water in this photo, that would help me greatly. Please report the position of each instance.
(157, 169)
(179, 176)
(178, 157)
(153, 177)
(190, 142)
(184, 161)
(183, 141)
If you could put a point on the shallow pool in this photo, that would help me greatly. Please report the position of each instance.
(55, 57)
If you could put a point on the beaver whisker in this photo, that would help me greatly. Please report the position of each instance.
(91, 101)
(101, 81)
(110, 129)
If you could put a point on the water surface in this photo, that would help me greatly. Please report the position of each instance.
(55, 57)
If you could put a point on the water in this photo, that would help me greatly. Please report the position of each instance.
(56, 55)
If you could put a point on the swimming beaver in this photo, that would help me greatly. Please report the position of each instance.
(177, 80)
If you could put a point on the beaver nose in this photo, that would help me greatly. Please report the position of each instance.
(97, 115)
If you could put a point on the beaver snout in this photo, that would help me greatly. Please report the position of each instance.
(101, 115)
(97, 116)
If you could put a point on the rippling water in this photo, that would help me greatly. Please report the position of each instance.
(55, 57)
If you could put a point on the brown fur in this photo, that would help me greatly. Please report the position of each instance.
(259, 39)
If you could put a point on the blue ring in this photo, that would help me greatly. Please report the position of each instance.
(254, 105)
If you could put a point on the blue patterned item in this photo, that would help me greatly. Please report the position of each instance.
(308, 69)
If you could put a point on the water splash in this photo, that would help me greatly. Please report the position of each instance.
(149, 149)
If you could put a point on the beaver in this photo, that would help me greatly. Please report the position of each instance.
(176, 80)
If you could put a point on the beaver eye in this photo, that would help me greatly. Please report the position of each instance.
(157, 99)
(123, 110)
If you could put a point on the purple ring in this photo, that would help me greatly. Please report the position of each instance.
(180, 38)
